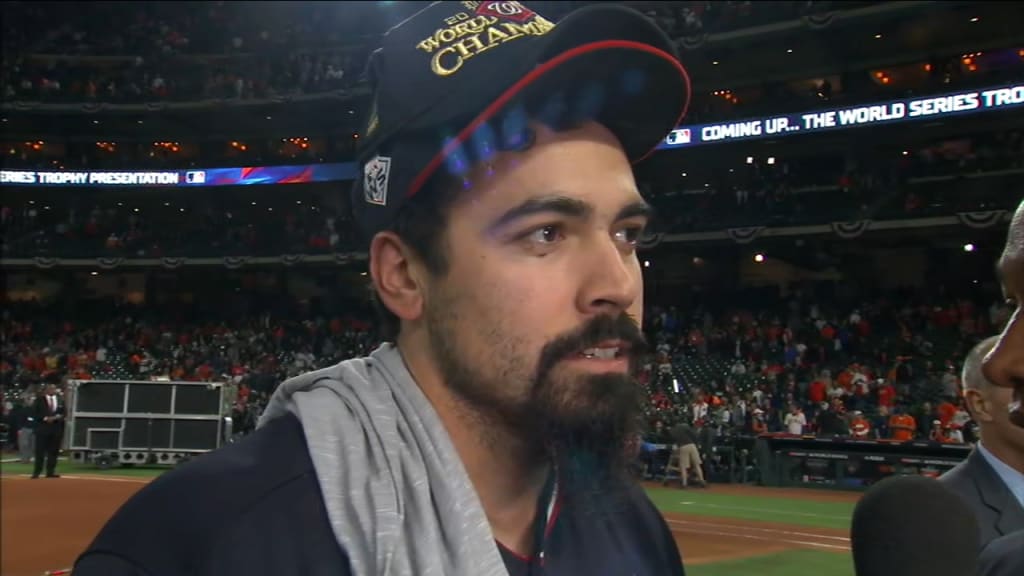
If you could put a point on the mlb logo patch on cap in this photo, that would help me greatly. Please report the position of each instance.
(375, 180)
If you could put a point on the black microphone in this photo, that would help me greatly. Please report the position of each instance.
(913, 526)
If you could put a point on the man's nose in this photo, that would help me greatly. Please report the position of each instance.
(612, 280)
(1004, 364)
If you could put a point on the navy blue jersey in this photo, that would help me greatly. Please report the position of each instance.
(255, 508)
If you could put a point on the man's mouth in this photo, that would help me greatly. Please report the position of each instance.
(1017, 406)
(605, 351)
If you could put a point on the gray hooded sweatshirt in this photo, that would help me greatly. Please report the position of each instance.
(397, 496)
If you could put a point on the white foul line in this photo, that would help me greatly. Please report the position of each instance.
(752, 537)
(769, 530)
(769, 510)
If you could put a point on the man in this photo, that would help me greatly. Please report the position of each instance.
(488, 436)
(880, 424)
(48, 412)
(25, 424)
(991, 479)
(830, 421)
(902, 426)
(685, 441)
(1004, 365)
(1002, 557)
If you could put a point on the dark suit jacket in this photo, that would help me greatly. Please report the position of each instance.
(1004, 556)
(995, 507)
(41, 409)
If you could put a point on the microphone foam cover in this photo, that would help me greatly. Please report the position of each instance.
(913, 526)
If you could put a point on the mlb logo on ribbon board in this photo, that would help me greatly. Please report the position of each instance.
(375, 180)
(681, 136)
(509, 10)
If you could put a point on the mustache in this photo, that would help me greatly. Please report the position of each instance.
(598, 329)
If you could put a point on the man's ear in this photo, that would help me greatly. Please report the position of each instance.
(397, 275)
(977, 405)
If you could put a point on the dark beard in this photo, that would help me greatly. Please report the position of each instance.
(582, 426)
(586, 426)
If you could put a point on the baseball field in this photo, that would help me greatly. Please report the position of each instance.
(727, 530)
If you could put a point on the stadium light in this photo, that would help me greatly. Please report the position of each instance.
(684, 174)
(771, 160)
(647, 263)
(878, 36)
(975, 19)
(750, 159)
(790, 51)
(968, 247)
(94, 273)
(759, 258)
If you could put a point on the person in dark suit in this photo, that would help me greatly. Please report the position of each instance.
(49, 417)
(1004, 365)
(991, 479)
(1004, 556)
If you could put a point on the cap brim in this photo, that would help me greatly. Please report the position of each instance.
(644, 87)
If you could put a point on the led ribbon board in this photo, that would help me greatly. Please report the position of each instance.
(895, 111)
(245, 176)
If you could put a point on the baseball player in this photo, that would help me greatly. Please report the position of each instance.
(487, 436)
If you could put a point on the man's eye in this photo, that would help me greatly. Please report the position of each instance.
(545, 235)
(630, 235)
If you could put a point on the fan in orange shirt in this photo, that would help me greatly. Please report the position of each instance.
(902, 425)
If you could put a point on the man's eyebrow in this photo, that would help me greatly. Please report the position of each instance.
(555, 204)
(639, 209)
(567, 206)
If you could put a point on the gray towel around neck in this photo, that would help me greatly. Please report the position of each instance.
(397, 495)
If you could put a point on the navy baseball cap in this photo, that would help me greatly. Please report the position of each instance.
(458, 82)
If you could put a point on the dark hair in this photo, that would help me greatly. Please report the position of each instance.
(423, 221)
(421, 224)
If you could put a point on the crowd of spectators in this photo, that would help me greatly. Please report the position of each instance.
(179, 226)
(939, 179)
(952, 175)
(682, 19)
(795, 364)
(68, 156)
(884, 368)
(116, 52)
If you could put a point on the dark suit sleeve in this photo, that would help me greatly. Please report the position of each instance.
(100, 564)
(1004, 556)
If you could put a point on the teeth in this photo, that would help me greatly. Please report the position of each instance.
(603, 353)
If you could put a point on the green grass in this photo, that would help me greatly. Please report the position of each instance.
(780, 564)
(782, 510)
(704, 503)
(71, 468)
